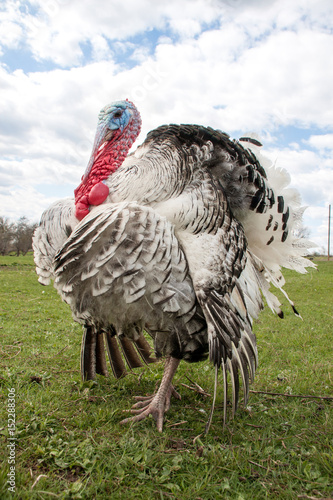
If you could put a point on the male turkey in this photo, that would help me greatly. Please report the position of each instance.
(56, 225)
(179, 239)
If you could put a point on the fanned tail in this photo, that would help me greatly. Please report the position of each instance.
(271, 214)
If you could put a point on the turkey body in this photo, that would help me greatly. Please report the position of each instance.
(191, 235)
(133, 275)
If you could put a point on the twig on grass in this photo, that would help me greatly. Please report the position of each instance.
(258, 465)
(37, 480)
(196, 387)
(61, 350)
(256, 426)
(47, 493)
(292, 395)
(177, 423)
(13, 347)
(312, 498)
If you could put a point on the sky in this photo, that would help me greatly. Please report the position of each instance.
(263, 66)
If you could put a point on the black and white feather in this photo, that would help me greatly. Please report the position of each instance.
(132, 274)
(56, 225)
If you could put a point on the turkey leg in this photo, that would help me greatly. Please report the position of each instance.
(159, 403)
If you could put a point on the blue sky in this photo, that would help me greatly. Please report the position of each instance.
(236, 65)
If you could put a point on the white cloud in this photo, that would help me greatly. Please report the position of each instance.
(23, 197)
(316, 219)
(57, 29)
(310, 172)
(322, 142)
(10, 34)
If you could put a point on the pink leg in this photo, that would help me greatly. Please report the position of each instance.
(159, 403)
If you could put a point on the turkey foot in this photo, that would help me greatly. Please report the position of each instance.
(144, 401)
(157, 404)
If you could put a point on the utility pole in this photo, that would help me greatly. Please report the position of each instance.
(329, 232)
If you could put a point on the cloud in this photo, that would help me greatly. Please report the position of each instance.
(310, 173)
(58, 29)
(322, 142)
(25, 195)
(316, 219)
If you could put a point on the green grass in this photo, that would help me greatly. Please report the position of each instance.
(68, 432)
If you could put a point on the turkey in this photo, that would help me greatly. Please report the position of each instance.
(180, 239)
(56, 225)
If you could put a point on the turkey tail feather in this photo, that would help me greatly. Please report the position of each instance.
(225, 393)
(88, 354)
(116, 361)
(119, 347)
(101, 368)
(242, 364)
(233, 370)
(144, 350)
(213, 403)
(129, 352)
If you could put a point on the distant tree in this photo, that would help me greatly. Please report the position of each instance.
(7, 230)
(23, 235)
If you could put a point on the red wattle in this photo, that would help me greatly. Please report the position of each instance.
(99, 192)
(81, 210)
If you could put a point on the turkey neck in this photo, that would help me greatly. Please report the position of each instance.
(110, 155)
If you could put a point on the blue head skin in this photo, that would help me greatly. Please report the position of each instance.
(114, 116)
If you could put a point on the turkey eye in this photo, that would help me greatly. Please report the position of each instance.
(117, 114)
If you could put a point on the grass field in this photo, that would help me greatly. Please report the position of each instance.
(70, 443)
